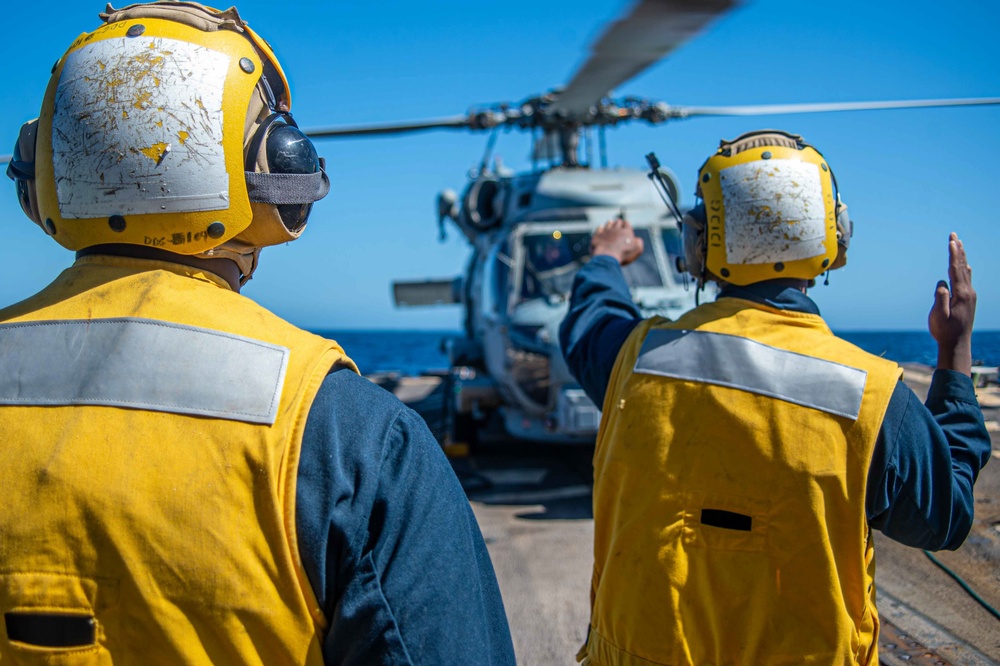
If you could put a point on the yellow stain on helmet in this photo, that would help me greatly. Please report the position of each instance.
(156, 152)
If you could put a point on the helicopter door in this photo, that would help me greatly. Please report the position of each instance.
(495, 285)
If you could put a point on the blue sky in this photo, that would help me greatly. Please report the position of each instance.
(909, 176)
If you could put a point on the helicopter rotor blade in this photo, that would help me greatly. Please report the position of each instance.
(653, 29)
(390, 128)
(367, 130)
(781, 109)
(660, 112)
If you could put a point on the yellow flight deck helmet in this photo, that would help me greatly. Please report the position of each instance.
(770, 209)
(169, 127)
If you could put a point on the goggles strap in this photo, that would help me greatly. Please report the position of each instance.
(287, 188)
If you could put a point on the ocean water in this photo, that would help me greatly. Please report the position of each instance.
(919, 346)
(414, 352)
(405, 352)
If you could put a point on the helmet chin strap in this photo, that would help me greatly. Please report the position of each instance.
(246, 259)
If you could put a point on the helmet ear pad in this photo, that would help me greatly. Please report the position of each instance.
(845, 229)
(21, 170)
(695, 241)
(277, 147)
(289, 151)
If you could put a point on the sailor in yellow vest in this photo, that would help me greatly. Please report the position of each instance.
(745, 452)
(188, 479)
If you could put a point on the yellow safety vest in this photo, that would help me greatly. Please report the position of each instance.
(151, 421)
(730, 474)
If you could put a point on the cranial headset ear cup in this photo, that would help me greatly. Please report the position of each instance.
(22, 170)
(694, 240)
(289, 151)
(845, 229)
(278, 146)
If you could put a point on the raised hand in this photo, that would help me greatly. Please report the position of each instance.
(615, 238)
(954, 309)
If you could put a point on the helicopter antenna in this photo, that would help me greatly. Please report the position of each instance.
(490, 144)
(656, 176)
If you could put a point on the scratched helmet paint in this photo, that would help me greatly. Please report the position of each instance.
(769, 210)
(169, 127)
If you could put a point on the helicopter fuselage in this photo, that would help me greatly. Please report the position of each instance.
(530, 235)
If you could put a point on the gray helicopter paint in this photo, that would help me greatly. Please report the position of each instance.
(576, 418)
(568, 201)
(568, 188)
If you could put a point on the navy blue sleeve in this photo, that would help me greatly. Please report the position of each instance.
(601, 316)
(925, 463)
(388, 539)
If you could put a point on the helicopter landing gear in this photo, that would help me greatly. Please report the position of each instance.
(468, 408)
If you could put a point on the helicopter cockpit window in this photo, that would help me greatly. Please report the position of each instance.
(551, 260)
(495, 275)
(643, 272)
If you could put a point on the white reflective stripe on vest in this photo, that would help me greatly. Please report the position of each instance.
(729, 360)
(141, 364)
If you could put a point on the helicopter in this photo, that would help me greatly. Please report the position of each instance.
(506, 376)
(529, 232)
